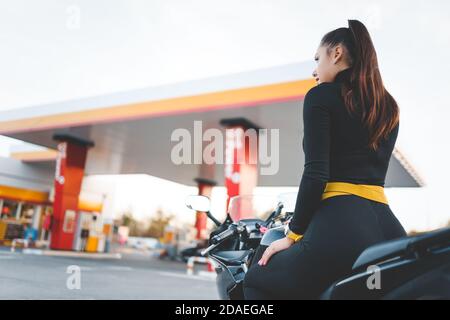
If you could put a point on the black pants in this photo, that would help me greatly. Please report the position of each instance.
(341, 228)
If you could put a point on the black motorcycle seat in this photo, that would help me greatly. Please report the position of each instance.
(231, 257)
(382, 251)
(397, 247)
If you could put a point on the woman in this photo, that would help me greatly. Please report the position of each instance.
(351, 123)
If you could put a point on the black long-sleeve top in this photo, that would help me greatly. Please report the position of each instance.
(335, 146)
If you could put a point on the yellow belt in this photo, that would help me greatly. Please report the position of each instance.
(368, 191)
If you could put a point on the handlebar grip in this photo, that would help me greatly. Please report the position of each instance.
(274, 214)
(222, 236)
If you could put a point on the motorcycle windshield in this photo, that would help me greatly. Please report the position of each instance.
(288, 200)
(251, 207)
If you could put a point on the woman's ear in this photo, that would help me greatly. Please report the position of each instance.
(337, 54)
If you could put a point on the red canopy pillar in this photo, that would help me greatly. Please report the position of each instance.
(72, 152)
(241, 153)
(204, 188)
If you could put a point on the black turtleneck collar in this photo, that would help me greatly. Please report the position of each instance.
(343, 75)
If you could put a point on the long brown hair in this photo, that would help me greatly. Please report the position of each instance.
(364, 91)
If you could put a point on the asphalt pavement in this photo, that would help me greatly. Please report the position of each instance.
(137, 275)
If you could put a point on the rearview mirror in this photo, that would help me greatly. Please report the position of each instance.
(198, 203)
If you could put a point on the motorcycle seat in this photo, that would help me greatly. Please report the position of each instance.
(398, 247)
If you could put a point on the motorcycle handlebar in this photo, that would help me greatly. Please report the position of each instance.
(222, 236)
(219, 238)
(274, 214)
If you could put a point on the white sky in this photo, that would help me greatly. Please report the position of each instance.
(127, 44)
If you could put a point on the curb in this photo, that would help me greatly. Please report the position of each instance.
(72, 254)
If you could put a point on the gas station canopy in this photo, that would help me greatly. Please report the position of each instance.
(132, 130)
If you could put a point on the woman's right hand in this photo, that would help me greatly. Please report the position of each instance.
(276, 246)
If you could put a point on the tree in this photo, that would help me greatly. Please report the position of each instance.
(154, 227)
(158, 223)
(128, 220)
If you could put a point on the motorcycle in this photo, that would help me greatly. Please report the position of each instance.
(234, 243)
(413, 267)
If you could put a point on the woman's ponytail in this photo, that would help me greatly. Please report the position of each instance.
(365, 90)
